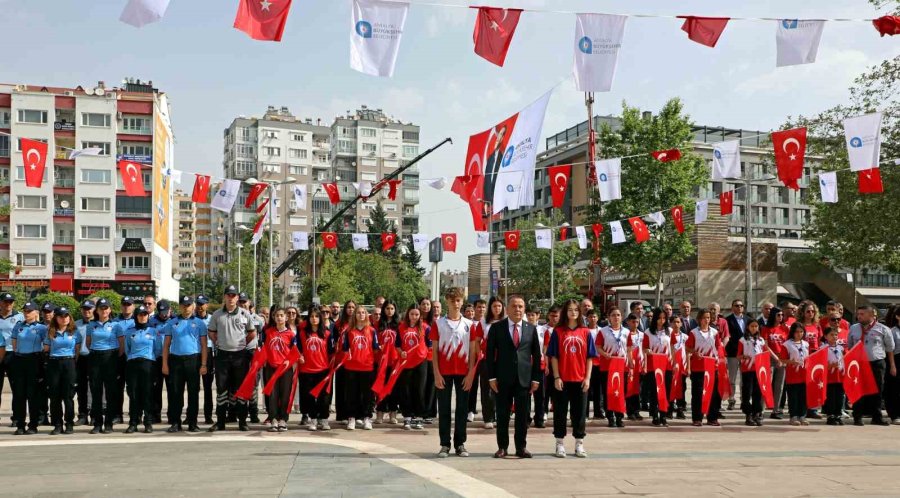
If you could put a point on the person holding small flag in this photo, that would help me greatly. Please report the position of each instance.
(612, 342)
(834, 402)
(750, 345)
(413, 342)
(703, 344)
(657, 341)
(360, 342)
(796, 352)
(316, 352)
(678, 339)
(636, 370)
(878, 342)
(280, 356)
(775, 333)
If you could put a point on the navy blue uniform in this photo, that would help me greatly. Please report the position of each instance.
(27, 339)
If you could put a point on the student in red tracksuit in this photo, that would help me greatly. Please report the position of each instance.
(316, 350)
(703, 342)
(479, 308)
(341, 325)
(413, 334)
(279, 342)
(387, 327)
(796, 352)
(544, 392)
(677, 341)
(612, 341)
(595, 395)
(749, 346)
(360, 344)
(657, 341)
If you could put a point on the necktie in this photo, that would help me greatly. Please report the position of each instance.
(516, 335)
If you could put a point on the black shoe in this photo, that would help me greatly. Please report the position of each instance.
(523, 453)
(31, 430)
(231, 419)
(830, 421)
(45, 420)
(814, 414)
(610, 423)
(619, 423)
(680, 415)
(631, 417)
(148, 429)
(748, 421)
(243, 427)
(107, 429)
(81, 421)
(69, 429)
(839, 421)
(157, 419)
(655, 422)
(539, 424)
(663, 422)
(96, 430)
(638, 417)
(131, 429)
(208, 421)
(117, 420)
(880, 421)
(193, 428)
(721, 416)
(56, 431)
(216, 427)
(254, 419)
(173, 429)
(20, 432)
(731, 404)
(776, 416)
(857, 421)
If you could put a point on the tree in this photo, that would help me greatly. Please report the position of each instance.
(6, 266)
(18, 292)
(412, 257)
(377, 224)
(245, 262)
(58, 300)
(649, 186)
(114, 298)
(529, 267)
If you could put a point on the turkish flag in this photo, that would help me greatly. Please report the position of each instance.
(666, 156)
(255, 191)
(201, 189)
(245, 391)
(859, 380)
(615, 387)
(563, 233)
(598, 229)
(887, 25)
(816, 378)
(559, 182)
(262, 19)
(790, 152)
(470, 187)
(494, 30)
(658, 364)
(704, 30)
(762, 364)
(132, 180)
(634, 374)
(329, 240)
(448, 240)
(641, 233)
(387, 241)
(34, 159)
(332, 190)
(709, 383)
(677, 390)
(678, 218)
(724, 384)
(869, 181)
(511, 239)
(392, 185)
(726, 202)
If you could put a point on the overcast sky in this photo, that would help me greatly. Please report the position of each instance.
(213, 73)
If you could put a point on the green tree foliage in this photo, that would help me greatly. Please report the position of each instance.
(58, 300)
(19, 293)
(6, 266)
(529, 267)
(412, 257)
(245, 262)
(114, 298)
(377, 224)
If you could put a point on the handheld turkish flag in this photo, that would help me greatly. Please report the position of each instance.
(726, 202)
(817, 378)
(704, 30)
(392, 185)
(677, 391)
(132, 180)
(511, 239)
(255, 191)
(262, 19)
(724, 384)
(332, 190)
(859, 381)
(709, 383)
(293, 356)
(448, 241)
(790, 152)
(666, 156)
(563, 233)
(34, 159)
(387, 241)
(329, 240)
(559, 183)
(414, 358)
(658, 364)
(762, 364)
(887, 25)
(615, 386)
(245, 391)
(869, 181)
(598, 229)
(201, 189)
(641, 233)
(678, 218)
(634, 374)
(494, 30)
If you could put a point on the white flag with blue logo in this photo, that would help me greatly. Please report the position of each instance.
(300, 196)
(598, 38)
(701, 212)
(360, 241)
(581, 233)
(300, 241)
(615, 228)
(726, 160)
(420, 241)
(609, 179)
(542, 238)
(828, 187)
(863, 134)
(797, 41)
(376, 27)
(482, 239)
(226, 195)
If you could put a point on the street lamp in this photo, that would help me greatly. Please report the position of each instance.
(244, 228)
(239, 247)
(552, 257)
(272, 186)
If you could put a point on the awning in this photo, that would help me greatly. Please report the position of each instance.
(62, 284)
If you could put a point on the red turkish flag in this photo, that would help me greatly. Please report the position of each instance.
(132, 180)
(634, 374)
(677, 390)
(494, 30)
(724, 384)
(201, 189)
(726, 202)
(859, 380)
(332, 190)
(262, 19)
(762, 364)
(790, 152)
(559, 182)
(817, 378)
(615, 386)
(563, 233)
(387, 241)
(511, 239)
(869, 181)
(392, 185)
(887, 25)
(448, 240)
(470, 187)
(641, 233)
(255, 191)
(598, 229)
(34, 159)
(657, 364)
(329, 240)
(666, 156)
(704, 30)
(678, 218)
(709, 383)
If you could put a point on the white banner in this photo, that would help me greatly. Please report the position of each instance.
(828, 187)
(420, 241)
(376, 27)
(542, 238)
(726, 160)
(701, 212)
(797, 41)
(618, 236)
(364, 188)
(360, 241)
(482, 239)
(657, 218)
(300, 241)
(863, 134)
(226, 195)
(609, 179)
(300, 196)
(598, 38)
(140, 12)
(581, 233)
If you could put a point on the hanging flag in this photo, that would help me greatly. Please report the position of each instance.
(226, 195)
(132, 179)
(797, 41)
(360, 241)
(435, 183)
(329, 240)
(581, 234)
(559, 182)
(762, 364)
(816, 378)
(471, 186)
(541, 238)
(448, 241)
(666, 156)
(34, 160)
(201, 189)
(494, 30)
(255, 191)
(869, 181)
(174, 174)
(609, 179)
(658, 364)
(511, 240)
(678, 218)
(300, 241)
(392, 185)
(615, 386)
(828, 187)
(657, 218)
(89, 151)
(598, 38)
(363, 188)
(334, 196)
(726, 202)
(701, 212)
(726, 160)
(790, 153)
(887, 25)
(482, 239)
(709, 383)
(704, 30)
(262, 19)
(420, 241)
(641, 232)
(375, 39)
(137, 13)
(258, 228)
(387, 241)
(563, 233)
(618, 236)
(597, 228)
(863, 134)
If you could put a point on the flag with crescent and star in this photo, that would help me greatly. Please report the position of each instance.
(859, 380)
(262, 19)
(265, 210)
(678, 218)
(559, 183)
(387, 241)
(511, 239)
(329, 240)
(666, 156)
(34, 159)
(709, 383)
(641, 232)
(255, 191)
(704, 30)
(762, 364)
(816, 378)
(132, 179)
(615, 385)
(448, 241)
(494, 30)
(887, 25)
(658, 364)
(677, 390)
(201, 189)
(790, 153)
(869, 181)
(726, 203)
(334, 196)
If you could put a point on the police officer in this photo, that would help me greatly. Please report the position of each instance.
(27, 343)
(107, 343)
(62, 344)
(158, 322)
(209, 377)
(231, 329)
(184, 361)
(47, 311)
(123, 320)
(9, 317)
(83, 364)
(140, 346)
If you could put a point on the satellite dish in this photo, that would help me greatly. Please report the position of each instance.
(99, 92)
(177, 276)
(64, 204)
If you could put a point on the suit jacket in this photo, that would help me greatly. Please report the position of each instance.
(735, 332)
(511, 365)
(491, 171)
(688, 324)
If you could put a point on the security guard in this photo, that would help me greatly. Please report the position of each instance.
(9, 317)
(140, 346)
(231, 328)
(106, 342)
(184, 361)
(123, 320)
(158, 322)
(27, 343)
(47, 311)
(62, 344)
(210, 376)
(253, 404)
(83, 364)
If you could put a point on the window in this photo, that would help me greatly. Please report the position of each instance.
(142, 262)
(411, 136)
(297, 170)
(19, 143)
(4, 145)
(347, 132)
(244, 150)
(271, 168)
(243, 133)
(32, 116)
(94, 204)
(137, 150)
(410, 151)
(94, 233)
(95, 260)
(136, 125)
(185, 205)
(272, 151)
(103, 146)
(31, 202)
(244, 167)
(801, 216)
(31, 231)
(295, 288)
(369, 148)
(298, 137)
(103, 176)
(32, 259)
(391, 134)
(367, 132)
(346, 146)
(298, 220)
(134, 232)
(390, 207)
(297, 153)
(20, 173)
(94, 119)
(368, 177)
(270, 134)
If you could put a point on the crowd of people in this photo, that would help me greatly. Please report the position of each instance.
(409, 366)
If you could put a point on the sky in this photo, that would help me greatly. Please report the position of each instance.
(213, 73)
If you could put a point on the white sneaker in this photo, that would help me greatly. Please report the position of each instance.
(896, 421)
(392, 418)
(367, 425)
(579, 449)
(323, 425)
(488, 425)
(282, 426)
(273, 427)
(269, 424)
(444, 453)
(359, 424)
(407, 424)
(418, 425)
(471, 417)
(311, 426)
(351, 424)
(379, 416)
(560, 449)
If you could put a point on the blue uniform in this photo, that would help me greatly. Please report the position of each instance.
(206, 319)
(81, 327)
(141, 343)
(6, 326)
(185, 334)
(104, 336)
(123, 323)
(29, 337)
(64, 344)
(159, 326)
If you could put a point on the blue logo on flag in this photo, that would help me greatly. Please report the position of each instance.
(789, 23)
(222, 192)
(856, 142)
(364, 29)
(586, 45)
(822, 181)
(603, 177)
(507, 158)
(718, 154)
(510, 188)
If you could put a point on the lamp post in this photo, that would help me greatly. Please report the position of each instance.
(272, 186)
(244, 228)
(552, 257)
(239, 247)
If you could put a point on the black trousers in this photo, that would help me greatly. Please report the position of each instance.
(104, 365)
(430, 393)
(61, 378)
(6, 370)
(412, 391)
(539, 397)
(871, 404)
(391, 402)
(43, 393)
(25, 387)
(140, 384)
(573, 398)
(208, 380)
(834, 403)
(751, 395)
(121, 387)
(595, 395)
(473, 393)
(653, 397)
(488, 396)
(715, 405)
(278, 408)
(506, 396)
(83, 384)
(604, 380)
(317, 408)
(159, 380)
(360, 399)
(892, 391)
(444, 400)
(231, 368)
(797, 399)
(340, 395)
(184, 371)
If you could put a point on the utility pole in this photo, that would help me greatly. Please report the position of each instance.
(748, 274)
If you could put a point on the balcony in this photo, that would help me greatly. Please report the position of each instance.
(4, 238)
(65, 240)
(64, 268)
(127, 214)
(322, 146)
(133, 271)
(64, 182)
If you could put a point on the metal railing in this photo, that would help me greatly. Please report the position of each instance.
(127, 214)
(64, 239)
(133, 271)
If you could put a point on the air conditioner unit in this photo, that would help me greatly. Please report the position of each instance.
(119, 116)
(69, 93)
(371, 154)
(393, 154)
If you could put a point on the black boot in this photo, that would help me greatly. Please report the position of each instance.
(148, 428)
(174, 428)
(749, 421)
(69, 429)
(131, 429)
(57, 430)
(98, 429)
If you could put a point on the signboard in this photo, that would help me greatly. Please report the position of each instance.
(495, 282)
(435, 251)
(132, 289)
(28, 284)
(162, 160)
(63, 126)
(136, 158)
(132, 244)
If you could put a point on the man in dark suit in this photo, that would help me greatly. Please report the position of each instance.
(737, 324)
(687, 322)
(492, 165)
(513, 359)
